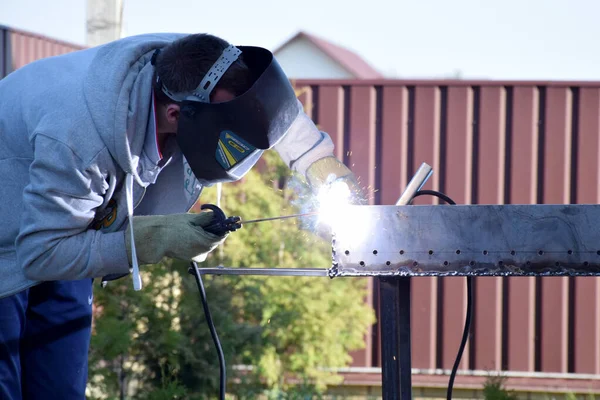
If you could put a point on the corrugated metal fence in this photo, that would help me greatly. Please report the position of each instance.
(489, 143)
(18, 48)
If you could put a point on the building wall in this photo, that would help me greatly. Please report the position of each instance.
(18, 48)
(303, 60)
(488, 143)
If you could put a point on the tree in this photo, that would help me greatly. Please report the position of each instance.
(293, 326)
(134, 334)
(286, 332)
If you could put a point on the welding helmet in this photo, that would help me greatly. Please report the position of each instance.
(222, 141)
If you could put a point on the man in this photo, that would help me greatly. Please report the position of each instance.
(104, 151)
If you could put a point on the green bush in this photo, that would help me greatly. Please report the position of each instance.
(493, 389)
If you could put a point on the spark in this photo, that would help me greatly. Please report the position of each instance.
(332, 201)
(338, 213)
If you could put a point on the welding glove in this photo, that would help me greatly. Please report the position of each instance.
(328, 170)
(177, 236)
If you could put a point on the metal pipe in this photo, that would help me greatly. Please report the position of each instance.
(394, 297)
(415, 184)
(264, 271)
(395, 332)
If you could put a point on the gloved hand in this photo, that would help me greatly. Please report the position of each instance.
(177, 236)
(327, 170)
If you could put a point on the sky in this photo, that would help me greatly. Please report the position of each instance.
(485, 39)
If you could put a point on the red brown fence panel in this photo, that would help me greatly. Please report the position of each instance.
(489, 142)
(18, 48)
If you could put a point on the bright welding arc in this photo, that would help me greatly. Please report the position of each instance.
(332, 202)
(338, 213)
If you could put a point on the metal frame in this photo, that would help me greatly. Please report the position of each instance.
(5, 52)
(472, 240)
(404, 241)
(395, 307)
(394, 298)
(264, 271)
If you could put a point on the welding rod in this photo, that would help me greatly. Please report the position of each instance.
(252, 221)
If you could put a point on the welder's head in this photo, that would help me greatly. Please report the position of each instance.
(229, 104)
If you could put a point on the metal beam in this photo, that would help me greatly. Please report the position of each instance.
(394, 296)
(394, 300)
(467, 240)
(264, 271)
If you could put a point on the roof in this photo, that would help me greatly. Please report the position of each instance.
(348, 59)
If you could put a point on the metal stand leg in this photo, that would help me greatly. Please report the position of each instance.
(394, 299)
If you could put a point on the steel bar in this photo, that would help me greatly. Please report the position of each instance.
(471, 240)
(415, 184)
(264, 271)
(394, 298)
(394, 293)
(253, 221)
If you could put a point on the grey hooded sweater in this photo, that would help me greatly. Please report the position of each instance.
(74, 130)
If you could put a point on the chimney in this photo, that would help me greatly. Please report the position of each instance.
(104, 19)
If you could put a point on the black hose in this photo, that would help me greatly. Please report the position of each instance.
(436, 194)
(213, 331)
(468, 318)
(465, 335)
(461, 349)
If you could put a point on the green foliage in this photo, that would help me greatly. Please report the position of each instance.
(134, 343)
(494, 389)
(286, 333)
(573, 396)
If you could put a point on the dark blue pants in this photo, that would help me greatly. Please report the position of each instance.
(44, 340)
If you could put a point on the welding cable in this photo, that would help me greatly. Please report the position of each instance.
(212, 328)
(435, 194)
(469, 299)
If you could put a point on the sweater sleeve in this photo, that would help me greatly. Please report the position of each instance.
(304, 144)
(59, 203)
